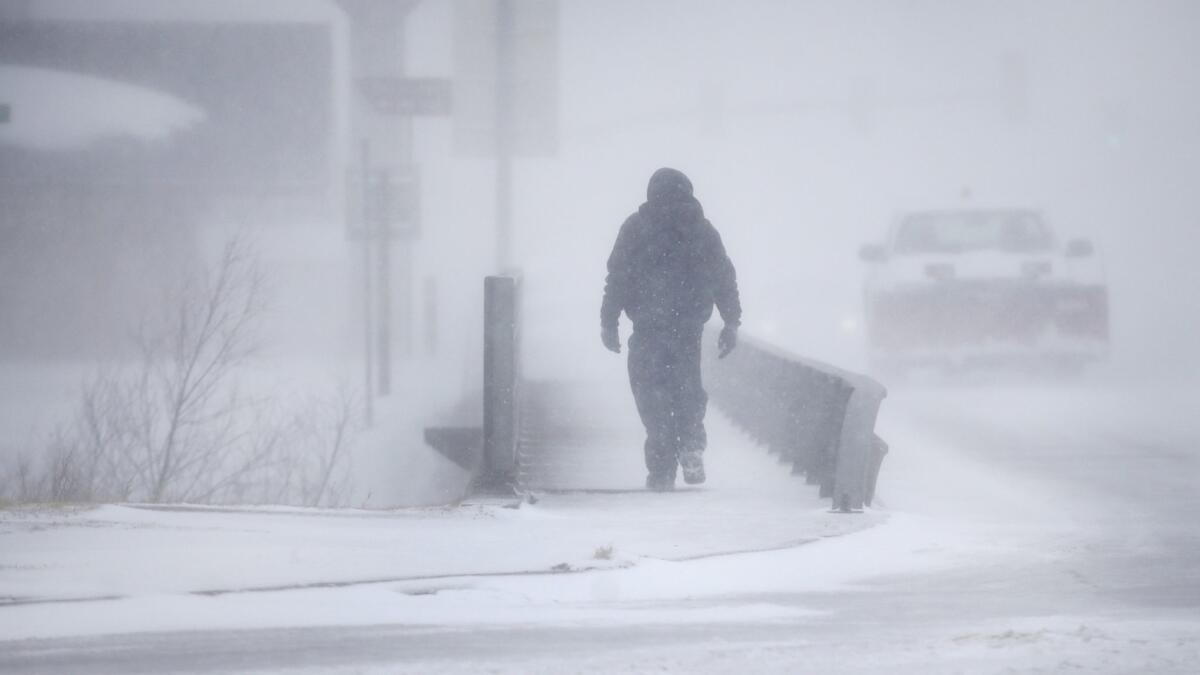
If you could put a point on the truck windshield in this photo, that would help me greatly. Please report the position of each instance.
(958, 231)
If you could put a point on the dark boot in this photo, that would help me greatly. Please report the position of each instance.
(692, 463)
(660, 482)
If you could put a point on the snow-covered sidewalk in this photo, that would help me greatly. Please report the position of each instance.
(51, 558)
(986, 563)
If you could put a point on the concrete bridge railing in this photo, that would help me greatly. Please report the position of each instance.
(818, 418)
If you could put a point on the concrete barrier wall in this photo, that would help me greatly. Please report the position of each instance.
(818, 418)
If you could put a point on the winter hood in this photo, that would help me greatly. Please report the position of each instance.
(668, 185)
(669, 200)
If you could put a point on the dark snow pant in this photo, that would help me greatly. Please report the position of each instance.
(664, 373)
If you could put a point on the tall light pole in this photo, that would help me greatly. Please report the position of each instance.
(504, 141)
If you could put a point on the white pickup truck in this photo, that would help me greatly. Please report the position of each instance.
(976, 287)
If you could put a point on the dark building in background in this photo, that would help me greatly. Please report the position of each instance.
(91, 230)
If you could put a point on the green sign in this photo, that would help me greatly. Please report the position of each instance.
(5, 113)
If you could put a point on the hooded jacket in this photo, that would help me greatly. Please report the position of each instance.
(669, 267)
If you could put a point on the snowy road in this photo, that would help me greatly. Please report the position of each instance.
(1028, 529)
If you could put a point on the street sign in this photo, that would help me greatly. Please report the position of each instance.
(408, 95)
(5, 113)
(393, 205)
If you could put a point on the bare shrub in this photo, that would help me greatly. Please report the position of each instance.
(174, 426)
(186, 432)
(19, 482)
(314, 449)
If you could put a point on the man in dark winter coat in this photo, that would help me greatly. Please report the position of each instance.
(666, 271)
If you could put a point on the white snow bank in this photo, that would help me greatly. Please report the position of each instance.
(750, 503)
(57, 110)
(638, 593)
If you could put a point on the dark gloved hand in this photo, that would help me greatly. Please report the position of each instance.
(727, 341)
(610, 338)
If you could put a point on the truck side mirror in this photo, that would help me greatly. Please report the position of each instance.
(1079, 248)
(872, 253)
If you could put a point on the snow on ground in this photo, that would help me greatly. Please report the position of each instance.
(971, 565)
(154, 555)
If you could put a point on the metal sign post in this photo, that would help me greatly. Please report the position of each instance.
(384, 210)
(380, 227)
(391, 211)
(365, 219)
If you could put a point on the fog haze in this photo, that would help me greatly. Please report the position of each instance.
(195, 296)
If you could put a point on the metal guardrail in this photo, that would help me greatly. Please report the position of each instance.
(818, 417)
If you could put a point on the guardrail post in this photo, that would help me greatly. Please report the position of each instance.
(857, 453)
